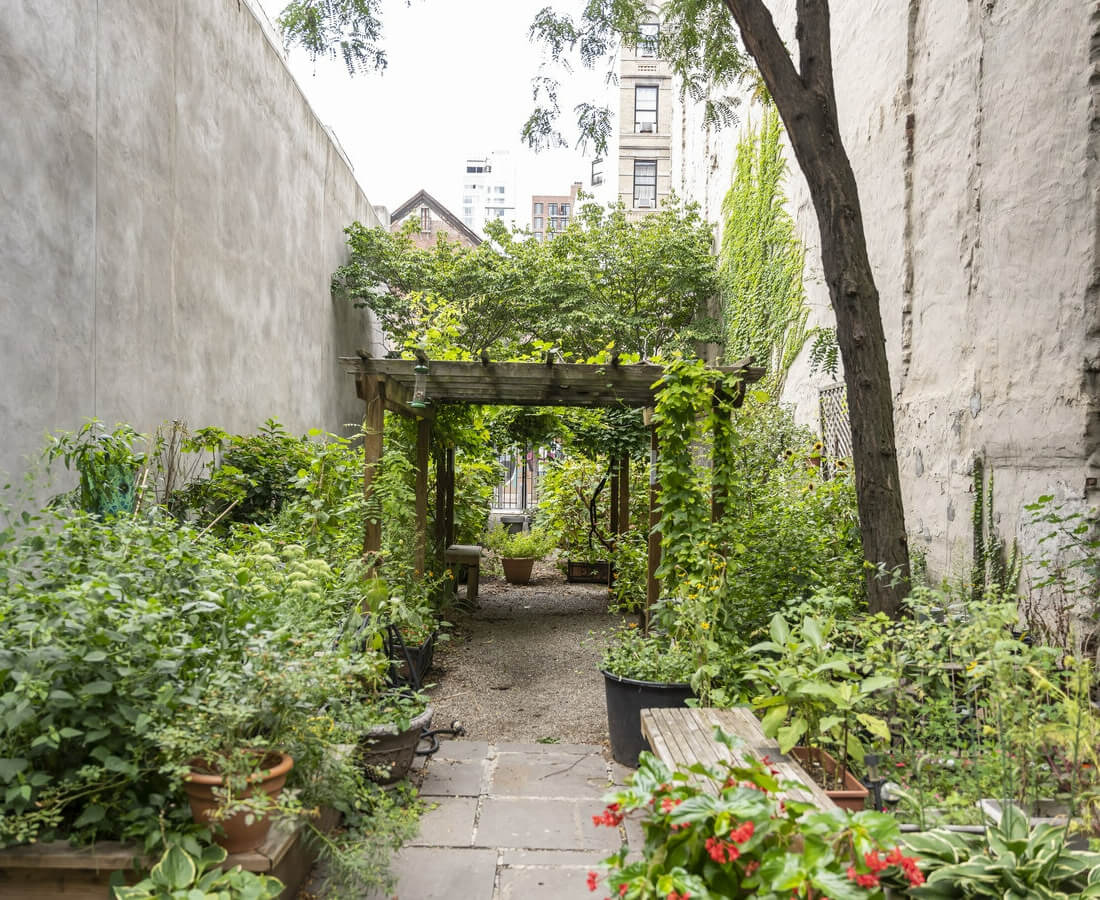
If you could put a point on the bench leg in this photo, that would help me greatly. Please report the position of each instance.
(471, 584)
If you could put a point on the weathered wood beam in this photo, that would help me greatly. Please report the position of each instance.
(624, 494)
(423, 443)
(373, 392)
(653, 588)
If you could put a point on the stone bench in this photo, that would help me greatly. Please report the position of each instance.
(468, 555)
(681, 737)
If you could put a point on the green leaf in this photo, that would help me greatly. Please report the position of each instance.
(775, 717)
(875, 725)
(790, 735)
(9, 768)
(175, 870)
(98, 687)
(778, 629)
(92, 814)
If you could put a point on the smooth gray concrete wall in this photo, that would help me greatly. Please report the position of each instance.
(974, 133)
(173, 211)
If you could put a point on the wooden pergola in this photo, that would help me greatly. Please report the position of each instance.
(392, 384)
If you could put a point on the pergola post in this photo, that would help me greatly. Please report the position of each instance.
(614, 497)
(423, 443)
(624, 494)
(449, 513)
(373, 391)
(653, 588)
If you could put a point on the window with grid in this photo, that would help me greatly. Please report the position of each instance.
(425, 220)
(645, 183)
(645, 109)
(538, 209)
(538, 223)
(649, 36)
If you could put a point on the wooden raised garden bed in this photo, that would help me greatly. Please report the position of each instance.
(48, 871)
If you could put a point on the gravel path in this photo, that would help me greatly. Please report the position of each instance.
(523, 665)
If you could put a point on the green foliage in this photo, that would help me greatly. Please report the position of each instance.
(345, 29)
(1012, 861)
(107, 463)
(721, 831)
(697, 38)
(249, 477)
(194, 873)
(652, 657)
(534, 544)
(993, 568)
(761, 260)
(783, 530)
(604, 282)
(811, 690)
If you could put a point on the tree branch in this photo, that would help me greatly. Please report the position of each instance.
(762, 40)
(815, 58)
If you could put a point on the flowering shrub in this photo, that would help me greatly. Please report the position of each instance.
(737, 837)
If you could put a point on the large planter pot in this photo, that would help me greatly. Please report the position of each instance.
(517, 569)
(626, 698)
(242, 831)
(411, 661)
(852, 797)
(387, 754)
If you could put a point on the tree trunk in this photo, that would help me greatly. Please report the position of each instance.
(806, 101)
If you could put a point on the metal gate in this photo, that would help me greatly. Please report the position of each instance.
(518, 488)
(836, 429)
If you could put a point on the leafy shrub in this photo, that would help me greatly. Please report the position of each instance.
(533, 544)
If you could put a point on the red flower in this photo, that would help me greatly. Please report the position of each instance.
(874, 863)
(669, 804)
(611, 817)
(743, 832)
(622, 889)
(593, 881)
(752, 866)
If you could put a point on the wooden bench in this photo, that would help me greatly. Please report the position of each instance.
(468, 555)
(681, 737)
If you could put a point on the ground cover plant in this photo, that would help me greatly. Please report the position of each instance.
(133, 645)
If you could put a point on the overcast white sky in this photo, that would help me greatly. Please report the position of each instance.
(458, 84)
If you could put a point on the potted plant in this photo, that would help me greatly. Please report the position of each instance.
(518, 552)
(389, 732)
(642, 671)
(728, 831)
(810, 691)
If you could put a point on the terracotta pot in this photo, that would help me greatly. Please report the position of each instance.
(388, 753)
(238, 836)
(852, 796)
(517, 569)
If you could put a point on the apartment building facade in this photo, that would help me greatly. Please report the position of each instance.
(645, 123)
(551, 213)
(489, 190)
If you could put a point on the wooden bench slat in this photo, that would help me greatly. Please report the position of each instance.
(681, 737)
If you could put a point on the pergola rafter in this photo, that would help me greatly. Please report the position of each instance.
(390, 384)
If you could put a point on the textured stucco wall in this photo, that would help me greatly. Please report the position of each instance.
(973, 132)
(173, 214)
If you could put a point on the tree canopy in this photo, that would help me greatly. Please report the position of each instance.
(605, 282)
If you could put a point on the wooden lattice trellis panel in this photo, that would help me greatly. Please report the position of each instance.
(836, 429)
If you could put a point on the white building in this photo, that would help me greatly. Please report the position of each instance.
(489, 190)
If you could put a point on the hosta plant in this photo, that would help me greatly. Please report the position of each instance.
(195, 874)
(738, 837)
(1011, 861)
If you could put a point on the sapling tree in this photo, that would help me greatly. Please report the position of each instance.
(699, 38)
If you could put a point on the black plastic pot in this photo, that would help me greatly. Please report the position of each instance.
(626, 698)
(386, 753)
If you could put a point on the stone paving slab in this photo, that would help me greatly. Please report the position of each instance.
(538, 823)
(548, 774)
(508, 822)
(455, 778)
(434, 873)
(543, 884)
(449, 824)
